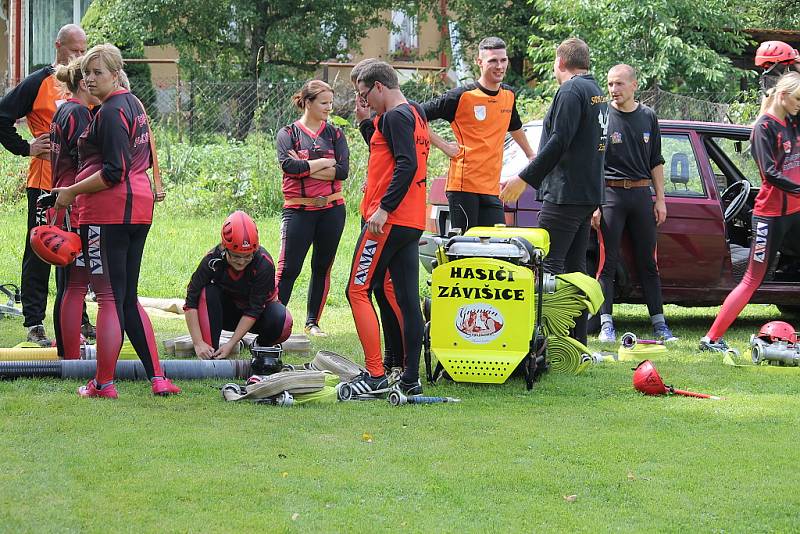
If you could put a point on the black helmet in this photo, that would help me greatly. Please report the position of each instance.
(266, 360)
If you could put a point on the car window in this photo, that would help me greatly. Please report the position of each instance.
(681, 172)
(514, 159)
(738, 153)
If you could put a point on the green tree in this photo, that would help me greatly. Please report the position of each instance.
(243, 39)
(511, 21)
(677, 45)
(776, 14)
(105, 23)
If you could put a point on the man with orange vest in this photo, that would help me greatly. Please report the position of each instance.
(36, 98)
(480, 115)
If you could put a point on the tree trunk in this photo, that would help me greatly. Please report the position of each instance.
(248, 97)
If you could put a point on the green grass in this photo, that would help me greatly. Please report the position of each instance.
(502, 460)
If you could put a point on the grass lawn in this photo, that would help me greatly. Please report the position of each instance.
(502, 460)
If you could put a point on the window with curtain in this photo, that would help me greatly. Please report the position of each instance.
(404, 39)
(45, 19)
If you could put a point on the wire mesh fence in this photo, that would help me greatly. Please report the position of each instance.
(737, 108)
(198, 109)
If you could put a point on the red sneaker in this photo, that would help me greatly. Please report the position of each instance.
(163, 387)
(91, 390)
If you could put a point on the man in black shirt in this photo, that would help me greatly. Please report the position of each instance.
(568, 169)
(633, 163)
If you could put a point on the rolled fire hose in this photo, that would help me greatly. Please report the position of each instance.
(574, 293)
(24, 353)
(127, 369)
(567, 356)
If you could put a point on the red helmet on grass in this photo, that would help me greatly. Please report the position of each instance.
(55, 246)
(239, 233)
(647, 380)
(772, 52)
(778, 331)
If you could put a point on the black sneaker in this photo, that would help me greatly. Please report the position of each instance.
(88, 330)
(366, 384)
(410, 388)
(36, 334)
(706, 344)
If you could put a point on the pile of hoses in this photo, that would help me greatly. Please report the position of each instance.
(574, 293)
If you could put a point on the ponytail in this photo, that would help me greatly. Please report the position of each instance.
(70, 75)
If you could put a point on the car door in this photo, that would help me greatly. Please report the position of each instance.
(691, 243)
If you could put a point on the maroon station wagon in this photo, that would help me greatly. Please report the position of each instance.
(710, 181)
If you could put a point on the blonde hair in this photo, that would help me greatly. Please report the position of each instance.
(111, 58)
(70, 75)
(310, 91)
(789, 83)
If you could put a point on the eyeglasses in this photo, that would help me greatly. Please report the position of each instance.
(365, 95)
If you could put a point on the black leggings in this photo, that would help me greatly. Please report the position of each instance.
(300, 229)
(35, 272)
(474, 209)
(629, 210)
(113, 256)
(568, 226)
(216, 313)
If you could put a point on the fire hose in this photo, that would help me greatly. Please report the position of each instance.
(126, 369)
(574, 293)
(567, 355)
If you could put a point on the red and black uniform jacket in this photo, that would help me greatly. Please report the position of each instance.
(397, 169)
(69, 122)
(35, 98)
(117, 143)
(327, 142)
(250, 289)
(775, 145)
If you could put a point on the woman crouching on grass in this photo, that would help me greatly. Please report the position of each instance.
(775, 145)
(234, 288)
(72, 282)
(314, 158)
(116, 210)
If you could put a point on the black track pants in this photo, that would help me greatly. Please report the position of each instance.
(629, 210)
(35, 272)
(216, 313)
(474, 209)
(568, 226)
(300, 230)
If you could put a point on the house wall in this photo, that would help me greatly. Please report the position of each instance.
(376, 44)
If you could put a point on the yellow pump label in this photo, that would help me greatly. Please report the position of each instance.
(483, 318)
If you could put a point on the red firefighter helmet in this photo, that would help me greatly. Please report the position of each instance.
(778, 331)
(55, 246)
(772, 52)
(647, 380)
(239, 233)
